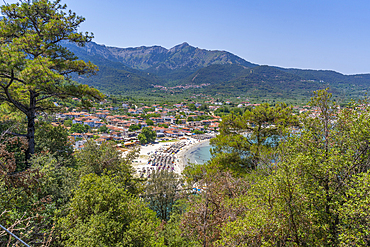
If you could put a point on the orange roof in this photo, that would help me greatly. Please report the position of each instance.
(72, 113)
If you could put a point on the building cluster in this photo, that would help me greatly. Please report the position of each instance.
(167, 121)
(182, 87)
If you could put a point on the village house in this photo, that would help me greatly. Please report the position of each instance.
(206, 122)
(89, 135)
(101, 115)
(72, 115)
(98, 124)
(123, 123)
(214, 126)
(159, 129)
(76, 135)
(132, 111)
(193, 123)
(100, 140)
(157, 120)
(77, 121)
(170, 119)
(213, 108)
(201, 128)
(171, 133)
(113, 121)
(93, 118)
(60, 116)
(143, 124)
(90, 123)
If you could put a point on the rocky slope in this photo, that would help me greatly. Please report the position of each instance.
(157, 57)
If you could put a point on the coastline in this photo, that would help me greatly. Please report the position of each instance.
(185, 155)
(182, 158)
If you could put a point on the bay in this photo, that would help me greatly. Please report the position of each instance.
(200, 154)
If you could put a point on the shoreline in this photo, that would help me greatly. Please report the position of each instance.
(184, 155)
(180, 159)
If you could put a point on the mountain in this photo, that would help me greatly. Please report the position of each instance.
(169, 65)
(113, 76)
(137, 70)
(156, 58)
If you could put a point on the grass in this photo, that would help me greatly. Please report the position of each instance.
(173, 140)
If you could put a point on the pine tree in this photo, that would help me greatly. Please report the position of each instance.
(34, 66)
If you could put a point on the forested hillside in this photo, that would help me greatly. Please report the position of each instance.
(260, 81)
(131, 71)
(113, 77)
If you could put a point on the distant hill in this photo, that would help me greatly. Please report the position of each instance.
(259, 81)
(330, 76)
(113, 76)
(169, 65)
(157, 58)
(131, 70)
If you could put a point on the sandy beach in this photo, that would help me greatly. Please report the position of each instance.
(185, 154)
(179, 155)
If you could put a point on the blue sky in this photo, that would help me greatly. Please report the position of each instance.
(309, 34)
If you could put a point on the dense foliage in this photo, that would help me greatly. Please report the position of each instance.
(305, 195)
(147, 135)
(34, 67)
(79, 128)
(104, 213)
(248, 141)
(275, 178)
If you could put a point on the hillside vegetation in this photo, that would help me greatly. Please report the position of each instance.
(133, 71)
(300, 177)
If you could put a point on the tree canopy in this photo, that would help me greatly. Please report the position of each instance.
(147, 135)
(105, 214)
(246, 141)
(79, 128)
(313, 194)
(34, 66)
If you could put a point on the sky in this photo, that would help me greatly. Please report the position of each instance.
(306, 34)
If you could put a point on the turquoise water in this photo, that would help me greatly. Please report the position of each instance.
(201, 154)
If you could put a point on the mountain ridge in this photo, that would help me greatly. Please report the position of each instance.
(137, 69)
(144, 57)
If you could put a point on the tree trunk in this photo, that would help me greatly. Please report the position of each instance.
(31, 115)
(30, 137)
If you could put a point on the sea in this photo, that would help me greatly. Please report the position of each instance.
(200, 154)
